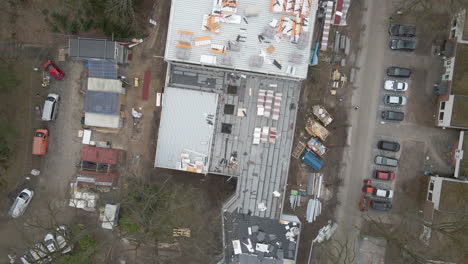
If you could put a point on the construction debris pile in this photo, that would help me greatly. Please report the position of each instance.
(254, 238)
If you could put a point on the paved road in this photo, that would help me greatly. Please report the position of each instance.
(363, 121)
(367, 127)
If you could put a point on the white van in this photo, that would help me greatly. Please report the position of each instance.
(110, 216)
(50, 107)
(21, 203)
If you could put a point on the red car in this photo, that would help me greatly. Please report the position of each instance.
(52, 69)
(384, 175)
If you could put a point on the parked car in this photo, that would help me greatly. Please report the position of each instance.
(381, 205)
(50, 107)
(38, 254)
(395, 100)
(384, 193)
(395, 85)
(50, 242)
(384, 175)
(401, 30)
(62, 244)
(398, 72)
(40, 142)
(388, 145)
(386, 161)
(403, 44)
(54, 70)
(364, 203)
(21, 203)
(393, 115)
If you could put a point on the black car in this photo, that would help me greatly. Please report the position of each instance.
(388, 145)
(400, 30)
(381, 205)
(403, 44)
(398, 72)
(393, 115)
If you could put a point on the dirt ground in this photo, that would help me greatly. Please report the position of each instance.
(58, 167)
(316, 90)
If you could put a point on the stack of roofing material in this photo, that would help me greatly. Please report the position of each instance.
(265, 132)
(314, 186)
(261, 102)
(273, 135)
(268, 103)
(256, 61)
(327, 23)
(202, 41)
(314, 208)
(256, 136)
(277, 106)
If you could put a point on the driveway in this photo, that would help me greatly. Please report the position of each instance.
(422, 143)
(57, 167)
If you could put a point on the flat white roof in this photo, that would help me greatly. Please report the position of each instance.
(105, 85)
(186, 129)
(102, 120)
(221, 33)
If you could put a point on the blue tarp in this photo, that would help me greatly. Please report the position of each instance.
(311, 160)
(102, 103)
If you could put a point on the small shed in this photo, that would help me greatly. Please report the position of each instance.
(102, 109)
(97, 49)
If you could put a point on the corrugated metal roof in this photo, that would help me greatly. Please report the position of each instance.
(97, 49)
(188, 15)
(102, 69)
(102, 103)
(92, 48)
(185, 127)
(105, 85)
(100, 155)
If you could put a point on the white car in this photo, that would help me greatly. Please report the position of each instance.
(383, 193)
(394, 100)
(21, 203)
(62, 232)
(38, 254)
(50, 242)
(395, 85)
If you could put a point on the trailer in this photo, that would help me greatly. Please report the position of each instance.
(317, 147)
(315, 129)
(322, 114)
(311, 160)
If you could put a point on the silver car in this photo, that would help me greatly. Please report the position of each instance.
(386, 161)
(394, 100)
(395, 85)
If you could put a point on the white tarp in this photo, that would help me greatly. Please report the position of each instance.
(105, 85)
(102, 120)
(110, 216)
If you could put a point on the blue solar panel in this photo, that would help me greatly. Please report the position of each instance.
(102, 69)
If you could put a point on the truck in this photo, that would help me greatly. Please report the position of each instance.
(322, 114)
(311, 160)
(316, 146)
(315, 129)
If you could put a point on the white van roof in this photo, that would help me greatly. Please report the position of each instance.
(111, 212)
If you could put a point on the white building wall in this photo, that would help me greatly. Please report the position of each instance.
(456, 28)
(444, 116)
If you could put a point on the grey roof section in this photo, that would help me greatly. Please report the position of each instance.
(187, 15)
(102, 69)
(184, 127)
(97, 49)
(262, 169)
(263, 230)
(102, 103)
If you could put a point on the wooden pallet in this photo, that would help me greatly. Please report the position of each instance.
(300, 147)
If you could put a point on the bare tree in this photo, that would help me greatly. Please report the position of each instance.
(339, 252)
(121, 12)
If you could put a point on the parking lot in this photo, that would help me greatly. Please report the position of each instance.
(423, 146)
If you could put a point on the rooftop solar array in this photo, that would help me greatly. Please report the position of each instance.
(102, 69)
